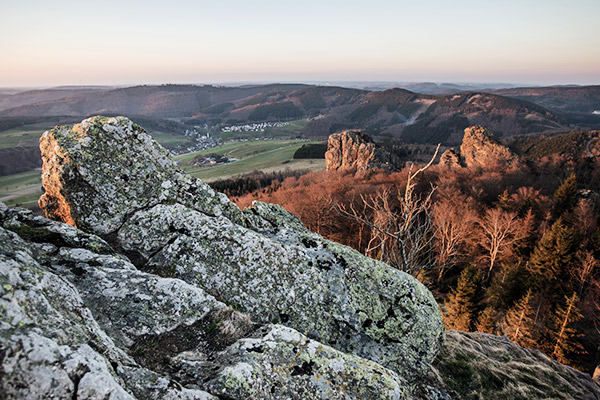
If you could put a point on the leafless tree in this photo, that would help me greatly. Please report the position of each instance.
(402, 231)
(454, 221)
(584, 269)
(499, 231)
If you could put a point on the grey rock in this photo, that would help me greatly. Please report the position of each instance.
(51, 345)
(479, 365)
(87, 325)
(262, 262)
(280, 363)
(100, 171)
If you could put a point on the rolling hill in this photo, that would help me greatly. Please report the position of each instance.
(573, 103)
(388, 114)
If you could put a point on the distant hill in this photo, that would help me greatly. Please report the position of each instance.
(394, 113)
(154, 101)
(574, 103)
(23, 98)
(419, 118)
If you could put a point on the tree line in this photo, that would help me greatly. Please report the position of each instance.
(512, 252)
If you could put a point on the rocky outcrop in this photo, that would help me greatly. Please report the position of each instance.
(355, 150)
(479, 149)
(451, 159)
(80, 321)
(335, 324)
(180, 295)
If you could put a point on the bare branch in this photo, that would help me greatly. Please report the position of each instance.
(402, 231)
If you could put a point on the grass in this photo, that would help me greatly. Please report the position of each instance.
(25, 200)
(169, 141)
(261, 155)
(276, 161)
(20, 137)
(19, 181)
(23, 188)
(239, 149)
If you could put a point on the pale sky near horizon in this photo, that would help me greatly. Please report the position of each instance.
(61, 42)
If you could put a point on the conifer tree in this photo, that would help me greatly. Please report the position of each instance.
(550, 259)
(519, 323)
(564, 335)
(487, 321)
(565, 197)
(461, 304)
(507, 285)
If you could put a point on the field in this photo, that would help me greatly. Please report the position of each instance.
(27, 135)
(24, 188)
(262, 155)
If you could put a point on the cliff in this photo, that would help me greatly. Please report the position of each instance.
(480, 149)
(160, 288)
(355, 150)
(177, 285)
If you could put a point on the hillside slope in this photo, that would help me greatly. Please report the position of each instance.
(396, 113)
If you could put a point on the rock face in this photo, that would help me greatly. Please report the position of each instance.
(355, 150)
(313, 319)
(80, 321)
(479, 149)
(174, 293)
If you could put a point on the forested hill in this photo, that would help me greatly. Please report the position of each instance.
(394, 113)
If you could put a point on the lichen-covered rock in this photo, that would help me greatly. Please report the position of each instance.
(81, 324)
(98, 172)
(116, 182)
(355, 150)
(280, 363)
(50, 344)
(331, 292)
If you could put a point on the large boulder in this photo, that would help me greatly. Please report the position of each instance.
(79, 321)
(107, 176)
(355, 150)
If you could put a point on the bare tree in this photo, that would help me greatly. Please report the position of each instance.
(454, 219)
(499, 231)
(584, 269)
(402, 231)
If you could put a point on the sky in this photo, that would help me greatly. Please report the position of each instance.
(61, 42)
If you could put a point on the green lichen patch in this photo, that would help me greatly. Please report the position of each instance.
(281, 363)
